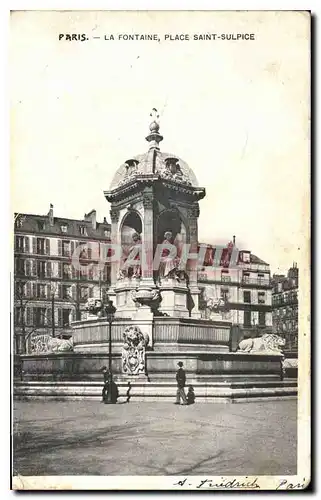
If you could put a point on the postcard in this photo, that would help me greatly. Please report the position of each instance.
(160, 193)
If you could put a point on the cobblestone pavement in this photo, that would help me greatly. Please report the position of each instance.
(89, 438)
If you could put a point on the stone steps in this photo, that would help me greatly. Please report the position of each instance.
(222, 392)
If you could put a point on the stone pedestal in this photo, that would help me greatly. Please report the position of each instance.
(174, 299)
(125, 304)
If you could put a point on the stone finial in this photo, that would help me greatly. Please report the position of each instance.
(154, 138)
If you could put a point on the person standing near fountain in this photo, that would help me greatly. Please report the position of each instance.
(181, 381)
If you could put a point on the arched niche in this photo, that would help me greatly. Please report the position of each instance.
(131, 224)
(171, 220)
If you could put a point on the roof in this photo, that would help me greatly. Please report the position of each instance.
(257, 260)
(166, 165)
(254, 258)
(31, 223)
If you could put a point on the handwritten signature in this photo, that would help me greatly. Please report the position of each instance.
(225, 483)
(246, 484)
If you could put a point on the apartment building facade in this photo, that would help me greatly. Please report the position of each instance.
(285, 311)
(49, 291)
(246, 288)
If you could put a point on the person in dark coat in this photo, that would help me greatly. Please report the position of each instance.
(181, 381)
(105, 388)
(109, 383)
(190, 395)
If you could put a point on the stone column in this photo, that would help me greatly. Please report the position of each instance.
(114, 215)
(148, 234)
(193, 214)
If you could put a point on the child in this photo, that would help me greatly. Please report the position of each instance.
(190, 395)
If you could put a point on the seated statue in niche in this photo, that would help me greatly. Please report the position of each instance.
(169, 265)
(131, 267)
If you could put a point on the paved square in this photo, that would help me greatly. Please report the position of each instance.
(89, 438)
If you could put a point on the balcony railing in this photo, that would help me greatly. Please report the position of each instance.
(256, 281)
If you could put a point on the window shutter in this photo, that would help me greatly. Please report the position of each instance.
(89, 251)
(90, 272)
(73, 292)
(28, 289)
(34, 245)
(60, 269)
(47, 246)
(60, 317)
(91, 292)
(28, 268)
(34, 268)
(59, 247)
(73, 272)
(48, 287)
(60, 291)
(27, 247)
(72, 247)
(49, 316)
(73, 315)
(34, 290)
(29, 318)
(34, 316)
(48, 269)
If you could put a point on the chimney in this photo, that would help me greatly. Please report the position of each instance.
(91, 217)
(234, 240)
(51, 215)
(105, 220)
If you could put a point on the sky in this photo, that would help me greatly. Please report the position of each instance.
(236, 111)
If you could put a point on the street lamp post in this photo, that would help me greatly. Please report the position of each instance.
(110, 313)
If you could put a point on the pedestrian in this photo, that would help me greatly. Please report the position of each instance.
(109, 383)
(105, 388)
(181, 381)
(190, 395)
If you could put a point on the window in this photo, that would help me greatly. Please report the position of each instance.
(83, 273)
(18, 315)
(225, 294)
(247, 297)
(66, 248)
(83, 252)
(41, 225)
(66, 291)
(20, 267)
(65, 317)
(40, 246)
(261, 297)
(107, 234)
(261, 318)
(41, 269)
(41, 291)
(63, 228)
(246, 277)
(247, 318)
(83, 292)
(40, 316)
(83, 230)
(246, 256)
(66, 272)
(225, 277)
(19, 244)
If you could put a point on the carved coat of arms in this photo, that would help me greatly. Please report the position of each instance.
(133, 352)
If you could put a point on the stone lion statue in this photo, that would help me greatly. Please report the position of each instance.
(60, 345)
(41, 344)
(269, 342)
